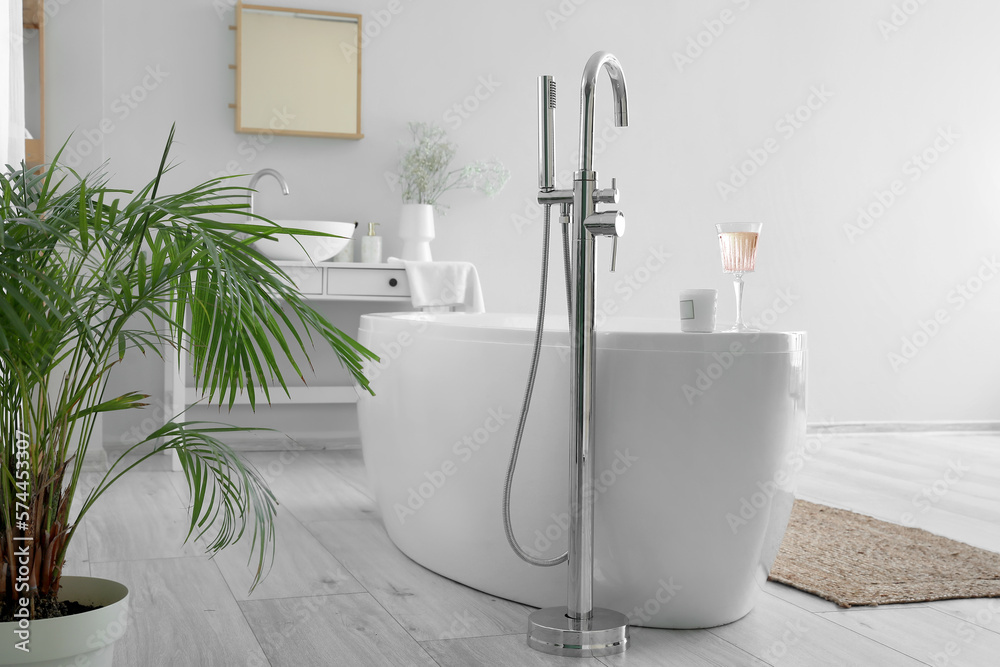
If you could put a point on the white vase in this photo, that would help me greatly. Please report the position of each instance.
(86, 638)
(416, 228)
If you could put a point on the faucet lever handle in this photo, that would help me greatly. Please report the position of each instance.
(607, 223)
(607, 195)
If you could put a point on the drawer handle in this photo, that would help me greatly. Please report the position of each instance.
(393, 282)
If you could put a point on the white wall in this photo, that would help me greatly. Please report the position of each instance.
(888, 80)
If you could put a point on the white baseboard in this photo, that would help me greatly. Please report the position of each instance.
(304, 442)
(268, 441)
(904, 427)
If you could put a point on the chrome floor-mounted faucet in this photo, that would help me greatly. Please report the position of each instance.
(578, 629)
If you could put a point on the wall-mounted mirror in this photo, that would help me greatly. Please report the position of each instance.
(298, 72)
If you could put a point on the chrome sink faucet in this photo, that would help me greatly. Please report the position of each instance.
(259, 175)
(578, 629)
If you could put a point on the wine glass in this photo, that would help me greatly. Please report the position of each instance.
(738, 244)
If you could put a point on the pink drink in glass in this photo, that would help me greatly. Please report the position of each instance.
(739, 251)
(738, 243)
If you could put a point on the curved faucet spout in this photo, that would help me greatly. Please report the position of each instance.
(260, 174)
(587, 86)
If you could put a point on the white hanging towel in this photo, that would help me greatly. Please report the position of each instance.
(443, 286)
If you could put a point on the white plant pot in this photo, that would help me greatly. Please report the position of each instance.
(80, 639)
(416, 228)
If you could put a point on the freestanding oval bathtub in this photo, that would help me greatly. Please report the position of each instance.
(695, 437)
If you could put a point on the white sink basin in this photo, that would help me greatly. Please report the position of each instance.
(286, 247)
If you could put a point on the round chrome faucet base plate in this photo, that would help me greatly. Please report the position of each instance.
(552, 631)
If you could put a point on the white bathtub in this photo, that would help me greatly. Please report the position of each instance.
(696, 438)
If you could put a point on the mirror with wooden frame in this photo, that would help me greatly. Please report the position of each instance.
(298, 72)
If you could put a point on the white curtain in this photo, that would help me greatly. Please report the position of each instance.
(12, 75)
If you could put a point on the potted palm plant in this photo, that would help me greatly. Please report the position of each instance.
(89, 274)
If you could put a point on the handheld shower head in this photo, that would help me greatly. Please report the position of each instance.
(546, 134)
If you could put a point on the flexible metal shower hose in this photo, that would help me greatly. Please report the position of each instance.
(539, 326)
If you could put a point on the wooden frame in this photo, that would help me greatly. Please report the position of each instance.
(33, 18)
(313, 103)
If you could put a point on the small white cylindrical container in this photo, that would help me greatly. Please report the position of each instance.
(697, 309)
(371, 246)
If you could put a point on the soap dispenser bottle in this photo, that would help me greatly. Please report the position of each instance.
(371, 246)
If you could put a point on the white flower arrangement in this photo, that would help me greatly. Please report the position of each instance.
(424, 174)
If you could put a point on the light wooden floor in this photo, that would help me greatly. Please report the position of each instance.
(341, 594)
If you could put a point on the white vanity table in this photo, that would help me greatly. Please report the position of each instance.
(323, 281)
(349, 281)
